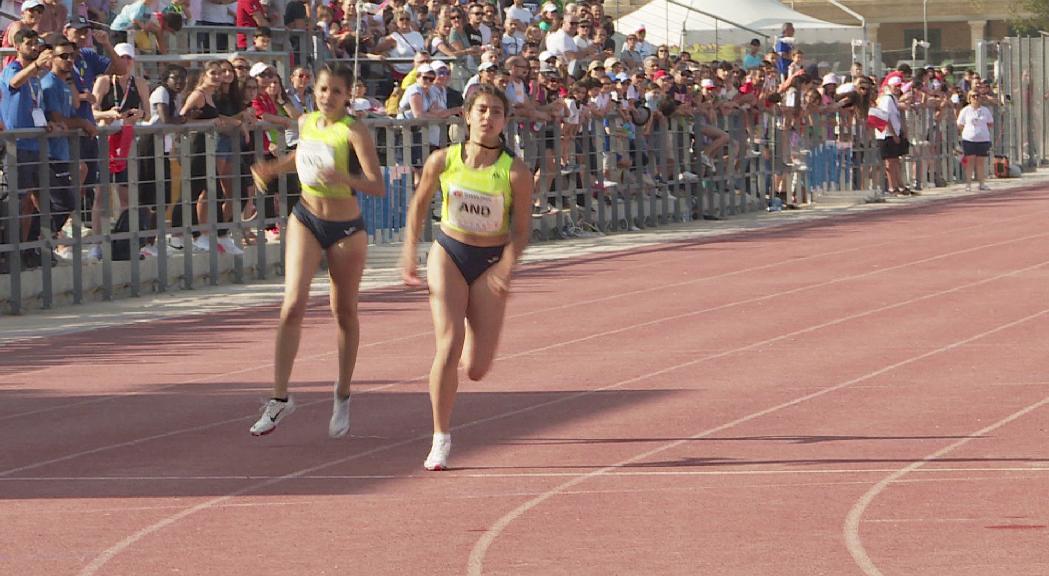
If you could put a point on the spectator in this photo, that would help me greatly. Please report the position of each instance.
(518, 12)
(214, 13)
(300, 97)
(646, 48)
(513, 40)
(154, 27)
(752, 59)
(21, 106)
(630, 55)
(889, 131)
(32, 12)
(250, 14)
(404, 42)
(53, 19)
(784, 50)
(262, 41)
(975, 121)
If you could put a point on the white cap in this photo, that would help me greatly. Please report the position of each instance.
(30, 4)
(438, 65)
(424, 69)
(707, 83)
(258, 68)
(549, 7)
(831, 78)
(361, 105)
(124, 49)
(894, 81)
(546, 55)
(486, 66)
(846, 88)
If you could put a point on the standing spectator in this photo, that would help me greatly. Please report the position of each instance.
(646, 48)
(518, 12)
(975, 122)
(513, 40)
(215, 13)
(630, 55)
(562, 43)
(54, 17)
(262, 41)
(32, 12)
(885, 118)
(300, 97)
(752, 59)
(603, 40)
(784, 50)
(21, 106)
(403, 42)
(250, 14)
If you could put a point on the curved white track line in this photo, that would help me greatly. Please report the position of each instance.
(478, 554)
(853, 542)
(475, 563)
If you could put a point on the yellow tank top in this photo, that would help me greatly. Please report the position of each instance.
(321, 148)
(476, 200)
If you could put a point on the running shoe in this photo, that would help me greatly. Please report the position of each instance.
(438, 458)
(340, 417)
(273, 411)
(983, 187)
(228, 246)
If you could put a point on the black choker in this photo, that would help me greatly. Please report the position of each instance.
(487, 147)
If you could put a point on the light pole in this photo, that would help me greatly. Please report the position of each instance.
(925, 28)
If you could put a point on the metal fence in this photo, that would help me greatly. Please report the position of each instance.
(603, 177)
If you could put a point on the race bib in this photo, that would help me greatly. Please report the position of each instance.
(39, 120)
(474, 212)
(311, 159)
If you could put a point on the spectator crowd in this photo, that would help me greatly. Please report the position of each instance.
(567, 73)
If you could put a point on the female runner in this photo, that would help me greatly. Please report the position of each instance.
(335, 159)
(484, 191)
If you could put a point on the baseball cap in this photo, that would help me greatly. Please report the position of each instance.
(707, 83)
(546, 55)
(549, 7)
(487, 66)
(258, 68)
(548, 69)
(640, 30)
(427, 69)
(30, 4)
(361, 105)
(124, 49)
(894, 81)
(611, 61)
(78, 24)
(659, 74)
(595, 65)
(830, 78)
(438, 65)
(622, 77)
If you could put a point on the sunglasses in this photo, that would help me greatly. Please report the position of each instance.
(429, 78)
(66, 56)
(455, 18)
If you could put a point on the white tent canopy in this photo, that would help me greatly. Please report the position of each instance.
(667, 23)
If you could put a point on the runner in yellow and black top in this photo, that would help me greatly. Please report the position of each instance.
(335, 159)
(485, 225)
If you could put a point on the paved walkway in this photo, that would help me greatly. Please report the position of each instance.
(382, 264)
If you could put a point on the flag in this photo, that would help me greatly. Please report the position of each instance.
(877, 119)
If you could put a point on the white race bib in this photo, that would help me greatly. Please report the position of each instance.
(39, 120)
(474, 212)
(312, 158)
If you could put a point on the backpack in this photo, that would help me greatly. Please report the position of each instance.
(121, 249)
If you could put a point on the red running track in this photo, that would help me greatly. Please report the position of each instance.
(867, 395)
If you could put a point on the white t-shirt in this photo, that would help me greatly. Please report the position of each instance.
(888, 104)
(160, 96)
(407, 45)
(976, 124)
(560, 43)
(405, 104)
(522, 14)
(513, 45)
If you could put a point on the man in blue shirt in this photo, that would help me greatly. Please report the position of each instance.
(21, 107)
(58, 104)
(785, 49)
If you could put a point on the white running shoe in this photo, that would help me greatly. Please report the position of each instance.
(272, 412)
(983, 188)
(148, 251)
(340, 417)
(175, 242)
(687, 176)
(202, 244)
(228, 246)
(438, 458)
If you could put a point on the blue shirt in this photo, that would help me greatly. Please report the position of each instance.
(16, 104)
(58, 98)
(786, 52)
(89, 66)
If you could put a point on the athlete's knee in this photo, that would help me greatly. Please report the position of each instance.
(345, 316)
(293, 312)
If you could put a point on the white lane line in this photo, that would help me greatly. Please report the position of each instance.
(476, 561)
(606, 333)
(854, 543)
(124, 544)
(498, 475)
(545, 310)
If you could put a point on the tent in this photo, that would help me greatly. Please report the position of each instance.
(669, 22)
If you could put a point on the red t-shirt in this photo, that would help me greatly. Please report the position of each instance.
(246, 9)
(263, 104)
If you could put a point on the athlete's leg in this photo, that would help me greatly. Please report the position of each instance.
(448, 299)
(346, 260)
(484, 324)
(302, 258)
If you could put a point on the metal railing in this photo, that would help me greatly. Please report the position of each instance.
(602, 177)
